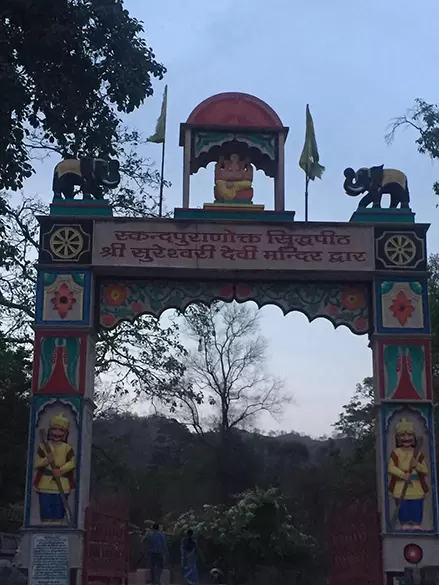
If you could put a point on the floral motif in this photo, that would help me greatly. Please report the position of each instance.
(402, 307)
(352, 299)
(115, 295)
(63, 300)
(226, 291)
(242, 291)
(108, 320)
(63, 297)
(360, 324)
(341, 304)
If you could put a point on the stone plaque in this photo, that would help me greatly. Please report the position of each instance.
(233, 246)
(50, 560)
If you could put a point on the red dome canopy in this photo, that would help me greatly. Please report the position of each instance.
(235, 109)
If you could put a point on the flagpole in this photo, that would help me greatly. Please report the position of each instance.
(306, 193)
(309, 159)
(162, 172)
(306, 197)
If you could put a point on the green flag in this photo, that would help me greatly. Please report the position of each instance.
(159, 135)
(309, 159)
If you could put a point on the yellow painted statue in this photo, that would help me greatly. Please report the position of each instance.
(406, 465)
(63, 457)
(233, 180)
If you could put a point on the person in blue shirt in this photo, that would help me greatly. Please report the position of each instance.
(156, 550)
(189, 558)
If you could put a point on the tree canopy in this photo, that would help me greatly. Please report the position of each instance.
(433, 297)
(357, 468)
(15, 376)
(358, 416)
(424, 118)
(257, 531)
(69, 70)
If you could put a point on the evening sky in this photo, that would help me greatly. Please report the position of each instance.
(358, 64)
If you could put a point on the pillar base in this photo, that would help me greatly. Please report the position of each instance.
(233, 206)
(143, 576)
(378, 215)
(393, 550)
(65, 560)
(81, 207)
(234, 214)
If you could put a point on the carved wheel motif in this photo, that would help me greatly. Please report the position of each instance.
(400, 250)
(66, 242)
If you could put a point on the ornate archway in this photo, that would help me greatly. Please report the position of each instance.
(95, 272)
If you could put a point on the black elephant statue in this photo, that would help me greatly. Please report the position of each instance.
(377, 181)
(90, 174)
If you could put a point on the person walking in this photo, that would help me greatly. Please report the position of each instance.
(189, 558)
(157, 550)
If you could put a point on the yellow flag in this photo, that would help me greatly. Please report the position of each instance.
(309, 159)
(160, 130)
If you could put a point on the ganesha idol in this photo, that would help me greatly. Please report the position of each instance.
(233, 180)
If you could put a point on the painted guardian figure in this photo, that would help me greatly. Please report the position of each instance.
(407, 466)
(377, 181)
(89, 174)
(51, 502)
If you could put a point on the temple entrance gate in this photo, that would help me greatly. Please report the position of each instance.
(96, 270)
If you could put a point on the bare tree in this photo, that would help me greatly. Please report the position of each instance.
(227, 386)
(144, 356)
(110, 399)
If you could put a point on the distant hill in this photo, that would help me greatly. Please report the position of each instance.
(147, 442)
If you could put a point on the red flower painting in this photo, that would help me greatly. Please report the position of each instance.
(115, 295)
(402, 307)
(108, 320)
(360, 324)
(352, 299)
(137, 307)
(243, 291)
(63, 300)
(227, 291)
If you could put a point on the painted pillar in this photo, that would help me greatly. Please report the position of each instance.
(279, 182)
(403, 383)
(62, 407)
(187, 167)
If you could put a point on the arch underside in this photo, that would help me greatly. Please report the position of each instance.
(341, 304)
(260, 149)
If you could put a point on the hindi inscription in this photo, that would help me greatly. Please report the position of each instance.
(50, 560)
(233, 246)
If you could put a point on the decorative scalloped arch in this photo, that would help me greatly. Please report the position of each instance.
(235, 109)
(341, 304)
